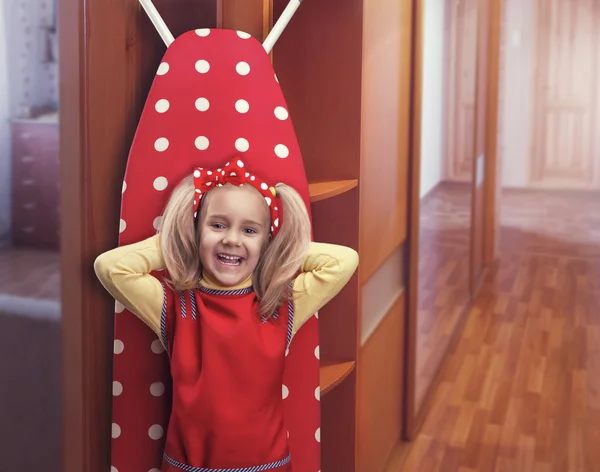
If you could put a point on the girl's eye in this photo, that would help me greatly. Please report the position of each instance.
(250, 231)
(217, 226)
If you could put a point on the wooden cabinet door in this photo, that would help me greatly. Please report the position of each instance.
(566, 143)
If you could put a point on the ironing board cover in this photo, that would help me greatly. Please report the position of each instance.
(215, 95)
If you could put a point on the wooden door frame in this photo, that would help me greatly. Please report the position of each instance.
(492, 169)
(413, 420)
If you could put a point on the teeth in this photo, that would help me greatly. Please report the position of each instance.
(229, 258)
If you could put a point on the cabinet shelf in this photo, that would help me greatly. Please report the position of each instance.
(322, 190)
(333, 374)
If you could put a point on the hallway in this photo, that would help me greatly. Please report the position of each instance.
(521, 390)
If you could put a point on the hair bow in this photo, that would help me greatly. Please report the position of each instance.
(234, 173)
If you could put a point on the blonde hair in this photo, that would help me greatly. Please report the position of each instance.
(279, 263)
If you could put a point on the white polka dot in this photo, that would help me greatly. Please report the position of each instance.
(242, 106)
(243, 35)
(276, 222)
(203, 32)
(157, 222)
(268, 200)
(318, 393)
(157, 347)
(124, 187)
(202, 66)
(202, 104)
(117, 388)
(241, 166)
(119, 307)
(287, 351)
(157, 389)
(264, 186)
(242, 144)
(155, 432)
(281, 113)
(318, 434)
(118, 346)
(317, 315)
(163, 68)
(160, 183)
(317, 352)
(116, 430)
(161, 144)
(242, 68)
(253, 178)
(284, 392)
(202, 143)
(162, 105)
(282, 151)
(122, 225)
(113, 469)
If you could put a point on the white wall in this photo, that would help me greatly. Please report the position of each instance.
(433, 79)
(5, 170)
(516, 93)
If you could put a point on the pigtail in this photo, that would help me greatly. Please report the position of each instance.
(179, 239)
(284, 255)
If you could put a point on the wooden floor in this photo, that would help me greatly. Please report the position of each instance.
(521, 390)
(443, 293)
(30, 273)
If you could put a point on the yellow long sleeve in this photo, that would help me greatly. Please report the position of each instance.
(125, 273)
(326, 269)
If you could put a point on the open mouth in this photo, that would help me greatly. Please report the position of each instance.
(229, 260)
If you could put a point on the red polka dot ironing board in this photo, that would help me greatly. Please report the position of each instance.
(215, 96)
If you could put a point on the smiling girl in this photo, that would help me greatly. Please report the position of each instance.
(242, 279)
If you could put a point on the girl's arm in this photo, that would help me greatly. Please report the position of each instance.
(125, 274)
(326, 269)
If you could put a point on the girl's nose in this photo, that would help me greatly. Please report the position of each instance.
(232, 237)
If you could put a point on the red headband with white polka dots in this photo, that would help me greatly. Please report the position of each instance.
(235, 173)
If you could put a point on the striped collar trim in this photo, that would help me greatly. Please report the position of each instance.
(239, 291)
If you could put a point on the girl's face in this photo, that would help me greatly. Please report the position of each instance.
(234, 229)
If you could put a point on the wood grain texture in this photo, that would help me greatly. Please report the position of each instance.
(323, 190)
(332, 375)
(411, 413)
(338, 426)
(566, 101)
(30, 273)
(520, 390)
(380, 389)
(385, 143)
(108, 55)
(493, 166)
(251, 16)
(480, 145)
(461, 100)
(318, 63)
(443, 284)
